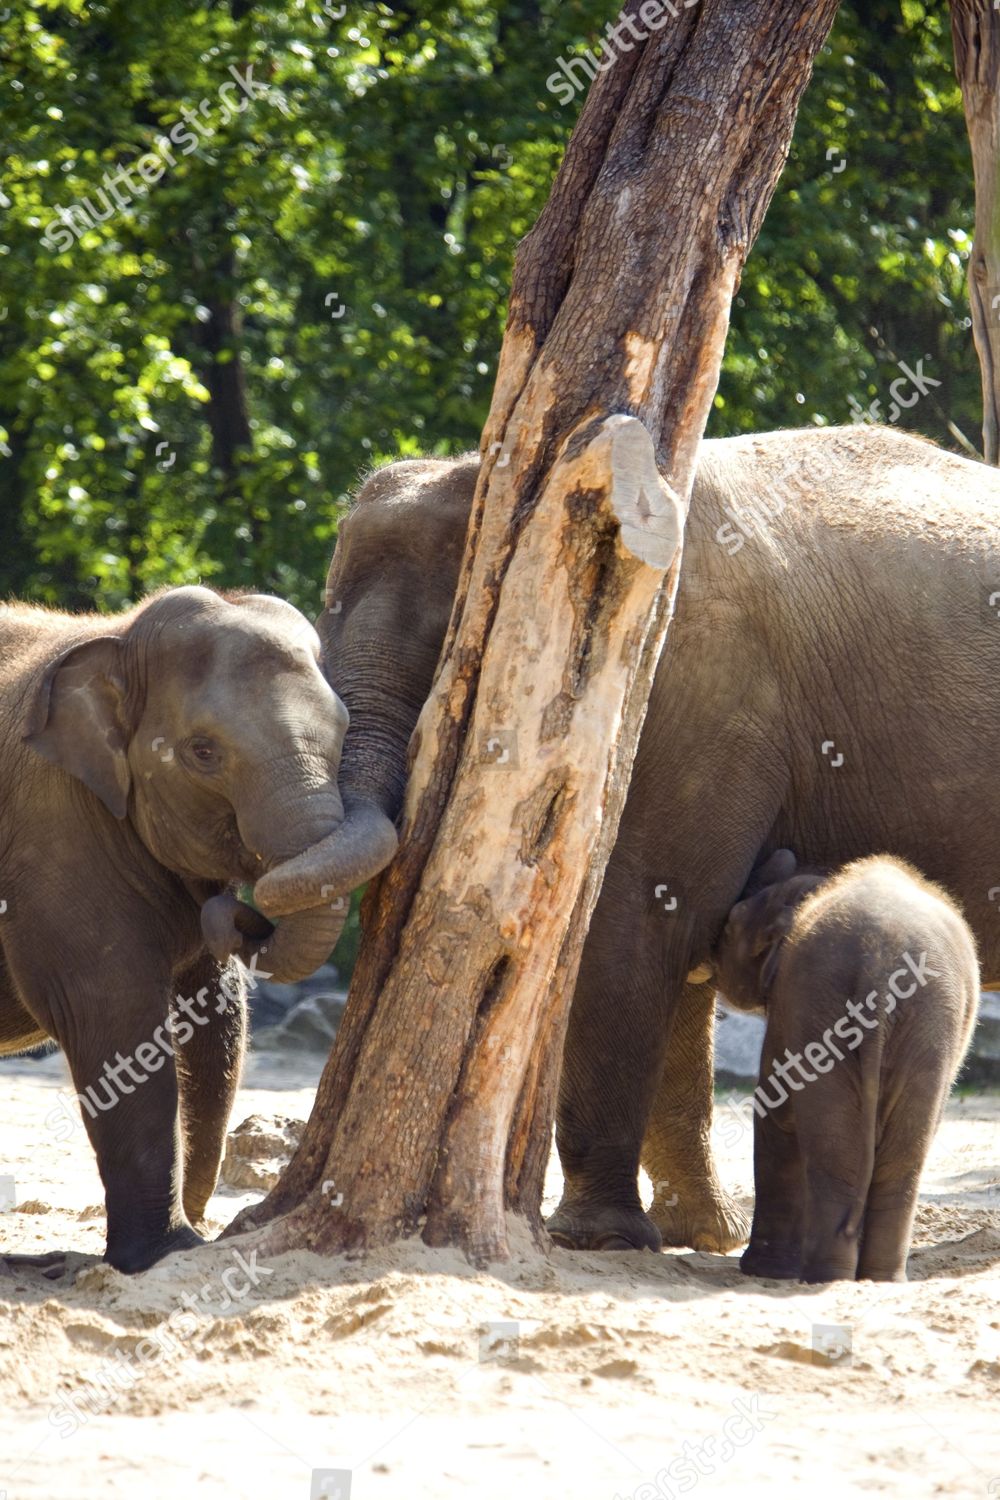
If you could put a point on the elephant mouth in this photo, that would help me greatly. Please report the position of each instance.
(233, 928)
(292, 942)
(286, 924)
(286, 949)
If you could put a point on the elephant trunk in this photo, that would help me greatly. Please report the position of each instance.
(362, 846)
(308, 932)
(385, 693)
(290, 951)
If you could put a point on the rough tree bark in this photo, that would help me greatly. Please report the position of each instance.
(975, 29)
(435, 1108)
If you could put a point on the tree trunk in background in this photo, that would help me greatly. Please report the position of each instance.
(436, 1104)
(975, 29)
(221, 337)
(16, 556)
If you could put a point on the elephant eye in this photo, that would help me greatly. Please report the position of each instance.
(204, 753)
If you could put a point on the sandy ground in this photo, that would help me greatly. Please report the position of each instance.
(633, 1375)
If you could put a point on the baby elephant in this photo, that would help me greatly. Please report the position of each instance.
(870, 984)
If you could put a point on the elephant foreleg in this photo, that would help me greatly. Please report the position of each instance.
(126, 1083)
(107, 1005)
(209, 1066)
(690, 1205)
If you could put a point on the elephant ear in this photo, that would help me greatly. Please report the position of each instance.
(77, 720)
(781, 903)
(769, 948)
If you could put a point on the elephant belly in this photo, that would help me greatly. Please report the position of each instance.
(950, 842)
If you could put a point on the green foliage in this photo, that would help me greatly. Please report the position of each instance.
(861, 260)
(190, 387)
(346, 952)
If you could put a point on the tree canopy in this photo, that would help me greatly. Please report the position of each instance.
(248, 250)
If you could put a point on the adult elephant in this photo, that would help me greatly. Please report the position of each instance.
(149, 762)
(831, 683)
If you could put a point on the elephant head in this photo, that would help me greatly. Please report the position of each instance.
(207, 723)
(746, 959)
(389, 596)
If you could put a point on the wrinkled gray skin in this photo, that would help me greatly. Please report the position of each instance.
(148, 760)
(859, 614)
(870, 983)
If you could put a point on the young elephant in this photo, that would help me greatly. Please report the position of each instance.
(870, 983)
(148, 761)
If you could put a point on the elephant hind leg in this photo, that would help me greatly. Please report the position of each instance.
(891, 1208)
(834, 1211)
(690, 1205)
(889, 1215)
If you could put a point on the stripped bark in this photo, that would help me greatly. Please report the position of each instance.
(435, 1107)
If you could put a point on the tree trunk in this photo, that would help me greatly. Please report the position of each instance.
(222, 339)
(436, 1104)
(975, 29)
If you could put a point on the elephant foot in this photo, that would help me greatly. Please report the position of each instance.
(771, 1262)
(581, 1226)
(129, 1259)
(717, 1223)
(821, 1273)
